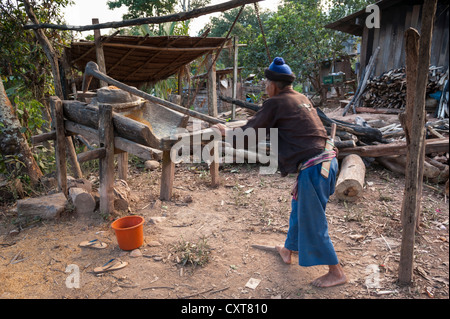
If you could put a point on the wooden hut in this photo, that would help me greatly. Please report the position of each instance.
(396, 16)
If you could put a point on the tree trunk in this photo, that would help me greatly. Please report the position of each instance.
(12, 140)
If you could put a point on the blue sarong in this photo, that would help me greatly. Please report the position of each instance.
(308, 226)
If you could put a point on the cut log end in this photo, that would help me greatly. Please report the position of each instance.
(350, 183)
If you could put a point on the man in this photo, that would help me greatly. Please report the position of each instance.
(301, 141)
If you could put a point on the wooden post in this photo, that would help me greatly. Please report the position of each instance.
(167, 176)
(212, 86)
(99, 51)
(71, 153)
(122, 158)
(60, 143)
(122, 163)
(235, 76)
(214, 166)
(415, 151)
(106, 137)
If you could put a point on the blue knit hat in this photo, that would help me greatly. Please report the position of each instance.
(279, 71)
(278, 65)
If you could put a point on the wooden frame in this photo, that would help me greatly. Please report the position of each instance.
(107, 132)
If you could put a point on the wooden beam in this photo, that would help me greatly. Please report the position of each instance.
(106, 137)
(416, 149)
(97, 153)
(394, 148)
(212, 86)
(167, 176)
(235, 76)
(36, 139)
(60, 145)
(150, 48)
(182, 16)
(141, 151)
(99, 51)
(214, 166)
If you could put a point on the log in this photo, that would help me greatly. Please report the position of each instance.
(344, 144)
(182, 16)
(397, 164)
(47, 207)
(364, 133)
(83, 201)
(388, 92)
(247, 105)
(435, 145)
(87, 115)
(350, 183)
(120, 143)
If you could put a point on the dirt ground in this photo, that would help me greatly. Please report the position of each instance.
(37, 256)
(246, 209)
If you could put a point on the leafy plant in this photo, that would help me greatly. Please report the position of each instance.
(196, 254)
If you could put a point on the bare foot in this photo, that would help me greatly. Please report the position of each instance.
(285, 254)
(334, 277)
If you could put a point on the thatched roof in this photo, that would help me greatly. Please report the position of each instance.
(135, 60)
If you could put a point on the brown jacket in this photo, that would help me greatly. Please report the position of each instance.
(301, 134)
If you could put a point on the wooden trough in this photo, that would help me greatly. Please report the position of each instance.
(148, 130)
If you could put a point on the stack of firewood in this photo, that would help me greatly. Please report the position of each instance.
(389, 89)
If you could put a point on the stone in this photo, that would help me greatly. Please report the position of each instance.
(153, 243)
(156, 220)
(136, 253)
(151, 165)
(46, 207)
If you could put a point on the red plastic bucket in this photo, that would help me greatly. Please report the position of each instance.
(129, 232)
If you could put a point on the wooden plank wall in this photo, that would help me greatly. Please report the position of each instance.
(390, 37)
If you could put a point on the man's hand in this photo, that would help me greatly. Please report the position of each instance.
(220, 127)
